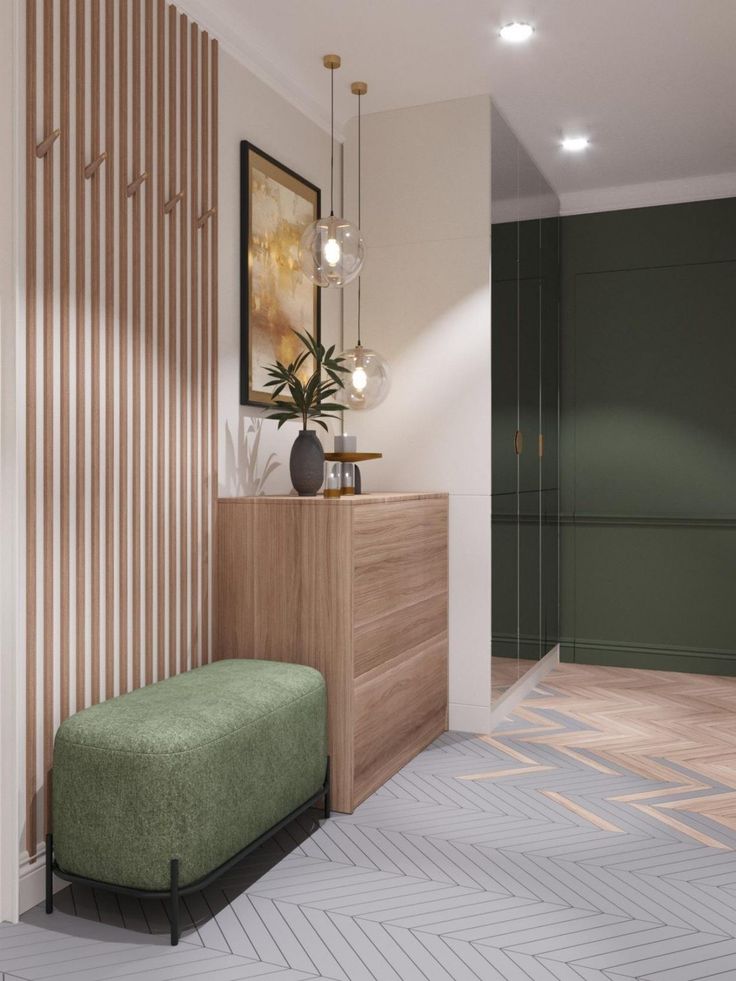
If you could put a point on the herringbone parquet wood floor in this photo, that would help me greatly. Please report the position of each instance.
(593, 836)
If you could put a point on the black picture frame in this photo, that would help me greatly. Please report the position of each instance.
(250, 154)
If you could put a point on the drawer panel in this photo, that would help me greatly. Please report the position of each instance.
(400, 557)
(380, 641)
(397, 713)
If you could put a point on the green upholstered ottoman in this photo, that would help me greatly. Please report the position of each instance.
(195, 768)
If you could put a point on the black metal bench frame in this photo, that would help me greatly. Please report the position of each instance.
(171, 896)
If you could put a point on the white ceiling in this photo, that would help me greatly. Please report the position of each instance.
(652, 82)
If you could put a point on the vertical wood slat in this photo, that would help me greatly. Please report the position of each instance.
(147, 576)
(136, 348)
(196, 210)
(189, 406)
(214, 321)
(95, 350)
(119, 327)
(202, 564)
(123, 333)
(31, 836)
(186, 97)
(172, 335)
(160, 338)
(80, 559)
(64, 387)
(110, 333)
(48, 402)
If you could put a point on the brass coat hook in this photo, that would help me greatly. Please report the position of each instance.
(171, 204)
(45, 145)
(91, 169)
(202, 221)
(134, 185)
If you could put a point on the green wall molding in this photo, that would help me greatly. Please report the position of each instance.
(696, 660)
(530, 647)
(648, 521)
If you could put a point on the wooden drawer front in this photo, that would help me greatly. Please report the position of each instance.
(397, 713)
(400, 557)
(378, 642)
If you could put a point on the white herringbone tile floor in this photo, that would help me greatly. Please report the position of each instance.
(590, 839)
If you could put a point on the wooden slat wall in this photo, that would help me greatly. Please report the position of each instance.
(121, 355)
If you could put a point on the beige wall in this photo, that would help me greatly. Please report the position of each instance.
(427, 308)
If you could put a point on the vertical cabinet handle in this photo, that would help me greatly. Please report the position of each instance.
(541, 445)
(518, 442)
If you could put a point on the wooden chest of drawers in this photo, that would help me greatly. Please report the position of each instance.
(356, 587)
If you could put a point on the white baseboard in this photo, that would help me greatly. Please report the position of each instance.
(516, 694)
(32, 890)
(469, 718)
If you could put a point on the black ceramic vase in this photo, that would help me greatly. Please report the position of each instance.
(307, 463)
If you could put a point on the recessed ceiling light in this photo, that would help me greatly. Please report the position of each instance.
(574, 144)
(516, 32)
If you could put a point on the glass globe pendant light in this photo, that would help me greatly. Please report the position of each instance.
(369, 380)
(331, 251)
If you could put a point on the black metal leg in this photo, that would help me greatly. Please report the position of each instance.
(49, 873)
(174, 912)
(327, 790)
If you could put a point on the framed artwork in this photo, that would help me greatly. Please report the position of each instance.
(276, 205)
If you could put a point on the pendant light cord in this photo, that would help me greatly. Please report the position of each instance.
(332, 142)
(359, 203)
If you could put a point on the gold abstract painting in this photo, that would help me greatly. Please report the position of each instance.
(276, 296)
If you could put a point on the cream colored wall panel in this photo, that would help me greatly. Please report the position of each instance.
(426, 306)
(425, 171)
(470, 605)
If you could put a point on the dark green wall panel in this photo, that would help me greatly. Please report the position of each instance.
(648, 451)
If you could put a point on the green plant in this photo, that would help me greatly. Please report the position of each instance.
(311, 398)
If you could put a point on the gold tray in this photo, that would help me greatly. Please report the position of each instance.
(352, 457)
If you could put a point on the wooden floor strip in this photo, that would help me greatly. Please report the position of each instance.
(498, 774)
(680, 826)
(583, 812)
(508, 750)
